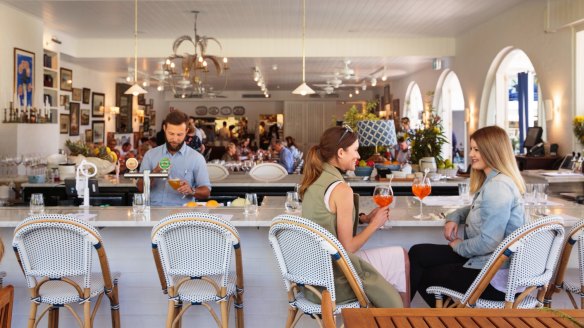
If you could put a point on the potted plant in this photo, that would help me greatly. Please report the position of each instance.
(427, 142)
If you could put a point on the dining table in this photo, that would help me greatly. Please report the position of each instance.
(462, 318)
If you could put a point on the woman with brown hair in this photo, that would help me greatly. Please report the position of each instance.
(496, 211)
(328, 201)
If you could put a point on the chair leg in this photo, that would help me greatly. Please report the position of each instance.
(32, 314)
(170, 314)
(53, 317)
(87, 314)
(292, 312)
(238, 310)
(224, 314)
(115, 306)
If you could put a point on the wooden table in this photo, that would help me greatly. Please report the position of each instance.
(363, 318)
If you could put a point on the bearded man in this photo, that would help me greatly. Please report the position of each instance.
(186, 164)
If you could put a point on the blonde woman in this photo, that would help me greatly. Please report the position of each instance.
(496, 211)
(328, 201)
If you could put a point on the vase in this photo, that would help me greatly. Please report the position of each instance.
(428, 163)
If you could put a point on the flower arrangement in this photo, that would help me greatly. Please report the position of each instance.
(427, 141)
(578, 128)
(89, 150)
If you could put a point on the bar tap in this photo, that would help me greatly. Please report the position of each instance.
(132, 164)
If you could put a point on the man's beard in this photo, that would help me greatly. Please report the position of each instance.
(174, 149)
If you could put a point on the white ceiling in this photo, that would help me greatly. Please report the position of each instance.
(233, 22)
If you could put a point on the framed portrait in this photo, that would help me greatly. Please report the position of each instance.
(64, 101)
(66, 79)
(98, 131)
(84, 117)
(86, 95)
(24, 77)
(77, 94)
(88, 136)
(64, 123)
(74, 119)
(97, 104)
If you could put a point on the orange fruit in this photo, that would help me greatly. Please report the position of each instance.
(212, 203)
(191, 204)
(386, 163)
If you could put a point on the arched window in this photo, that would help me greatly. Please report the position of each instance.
(449, 105)
(414, 104)
(510, 79)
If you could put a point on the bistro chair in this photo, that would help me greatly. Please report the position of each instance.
(55, 252)
(193, 254)
(305, 253)
(268, 172)
(532, 250)
(559, 281)
(217, 172)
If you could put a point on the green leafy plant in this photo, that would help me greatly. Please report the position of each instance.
(578, 128)
(428, 141)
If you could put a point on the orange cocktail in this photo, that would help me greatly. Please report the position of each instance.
(174, 183)
(383, 200)
(421, 188)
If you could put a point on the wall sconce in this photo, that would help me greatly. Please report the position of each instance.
(113, 111)
(550, 109)
(467, 115)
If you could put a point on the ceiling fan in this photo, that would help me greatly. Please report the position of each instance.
(347, 72)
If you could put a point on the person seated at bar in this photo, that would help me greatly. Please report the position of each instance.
(328, 201)
(230, 153)
(193, 140)
(291, 144)
(244, 148)
(402, 154)
(126, 148)
(496, 211)
(285, 156)
(186, 164)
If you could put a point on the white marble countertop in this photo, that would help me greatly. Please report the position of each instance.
(554, 176)
(402, 212)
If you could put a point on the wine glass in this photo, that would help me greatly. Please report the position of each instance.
(292, 203)
(421, 188)
(383, 195)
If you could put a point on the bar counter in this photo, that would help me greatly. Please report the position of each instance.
(127, 244)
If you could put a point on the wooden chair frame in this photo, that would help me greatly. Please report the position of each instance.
(176, 310)
(6, 304)
(111, 289)
(293, 314)
(502, 256)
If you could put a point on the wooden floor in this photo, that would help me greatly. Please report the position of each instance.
(479, 318)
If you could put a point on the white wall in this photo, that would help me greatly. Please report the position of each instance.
(426, 80)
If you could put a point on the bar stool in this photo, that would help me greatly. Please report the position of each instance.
(55, 253)
(305, 252)
(193, 253)
(560, 282)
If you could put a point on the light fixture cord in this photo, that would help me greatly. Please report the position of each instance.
(303, 33)
(135, 41)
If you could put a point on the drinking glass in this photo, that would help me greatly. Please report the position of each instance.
(292, 203)
(421, 188)
(251, 204)
(464, 192)
(175, 182)
(37, 204)
(383, 195)
(138, 204)
(529, 196)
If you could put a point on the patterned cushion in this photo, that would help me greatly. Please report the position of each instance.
(376, 133)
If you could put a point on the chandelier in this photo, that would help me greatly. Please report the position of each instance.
(189, 74)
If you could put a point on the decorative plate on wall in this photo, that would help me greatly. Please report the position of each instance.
(225, 110)
(238, 110)
(213, 110)
(201, 110)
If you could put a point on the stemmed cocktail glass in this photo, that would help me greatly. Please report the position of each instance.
(421, 188)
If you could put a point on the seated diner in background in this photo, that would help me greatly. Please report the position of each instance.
(402, 151)
(230, 153)
(328, 201)
(187, 165)
(496, 211)
(285, 156)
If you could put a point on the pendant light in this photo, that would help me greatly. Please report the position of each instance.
(135, 89)
(303, 89)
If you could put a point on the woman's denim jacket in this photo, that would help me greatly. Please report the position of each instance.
(496, 211)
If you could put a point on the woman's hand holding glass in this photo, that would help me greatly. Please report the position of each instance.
(379, 216)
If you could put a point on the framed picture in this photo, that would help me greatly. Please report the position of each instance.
(86, 95)
(74, 118)
(88, 136)
(64, 123)
(64, 101)
(98, 131)
(66, 79)
(84, 117)
(97, 104)
(76, 94)
(24, 77)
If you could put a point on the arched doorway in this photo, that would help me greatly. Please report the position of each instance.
(414, 104)
(449, 105)
(512, 77)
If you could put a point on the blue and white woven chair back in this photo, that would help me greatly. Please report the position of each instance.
(533, 257)
(304, 251)
(55, 246)
(195, 244)
(576, 235)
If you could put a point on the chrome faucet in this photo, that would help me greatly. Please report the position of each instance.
(146, 175)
